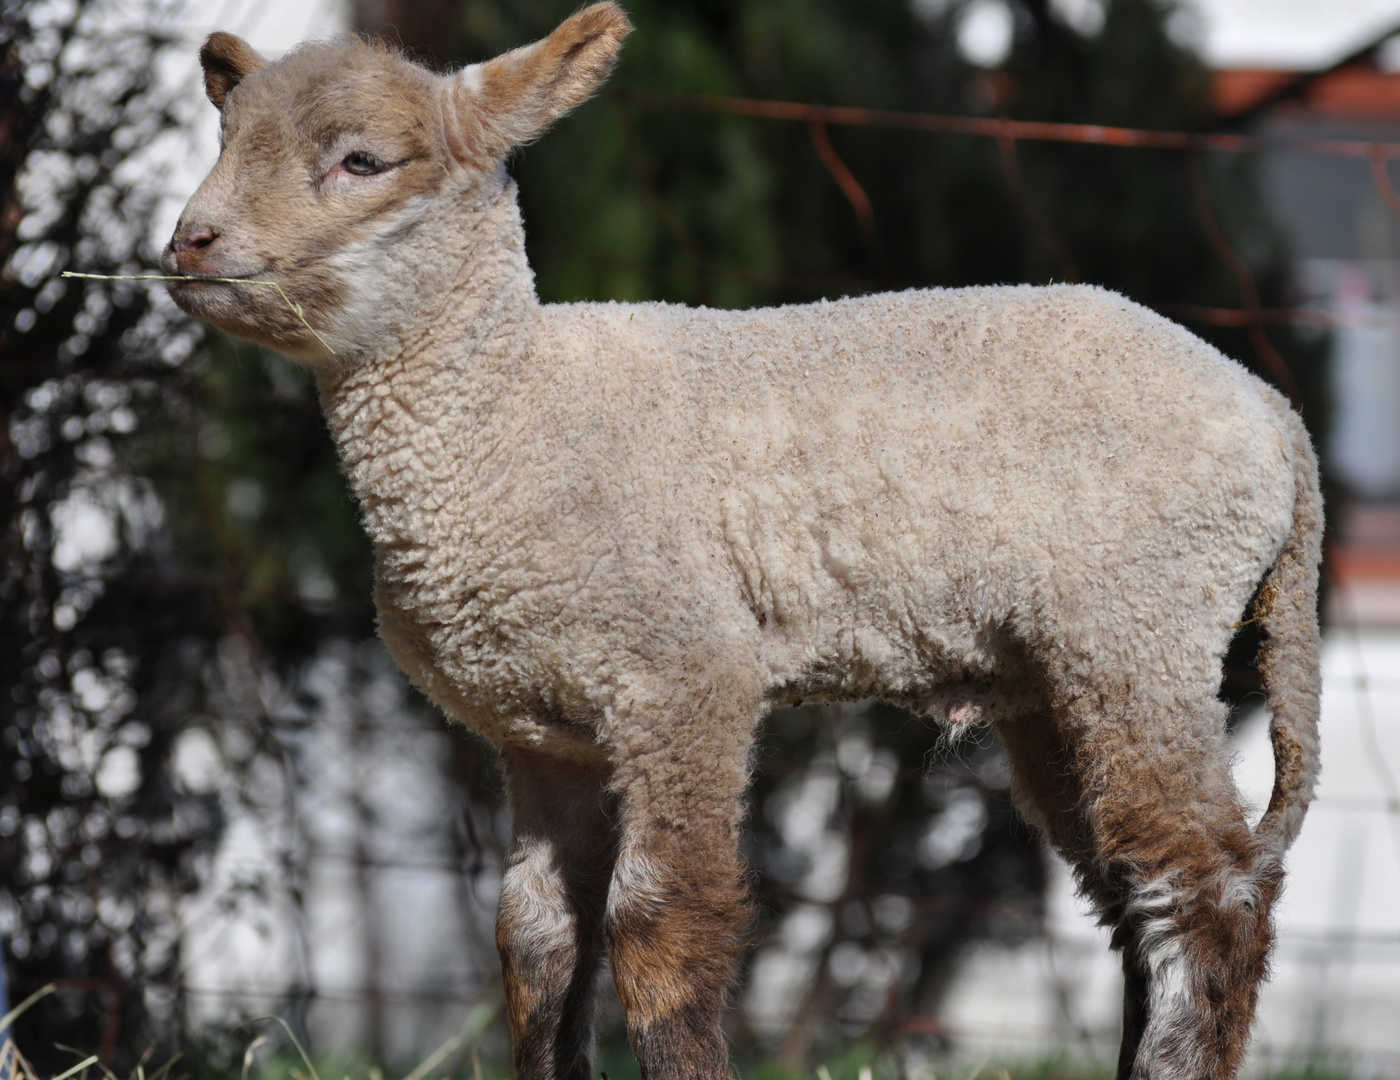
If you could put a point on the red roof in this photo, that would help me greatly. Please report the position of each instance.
(1357, 91)
(1364, 563)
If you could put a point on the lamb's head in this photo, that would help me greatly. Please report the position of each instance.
(337, 159)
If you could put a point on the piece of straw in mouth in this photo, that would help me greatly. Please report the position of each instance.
(295, 308)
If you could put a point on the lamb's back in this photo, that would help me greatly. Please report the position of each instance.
(895, 474)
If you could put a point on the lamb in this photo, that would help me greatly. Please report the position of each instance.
(610, 537)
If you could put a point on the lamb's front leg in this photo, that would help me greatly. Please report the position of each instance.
(549, 926)
(678, 913)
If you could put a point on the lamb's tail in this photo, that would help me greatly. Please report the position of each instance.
(1289, 661)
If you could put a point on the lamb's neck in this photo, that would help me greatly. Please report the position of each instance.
(416, 422)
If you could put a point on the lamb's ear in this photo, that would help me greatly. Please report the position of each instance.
(489, 108)
(227, 59)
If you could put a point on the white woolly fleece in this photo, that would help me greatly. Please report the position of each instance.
(869, 497)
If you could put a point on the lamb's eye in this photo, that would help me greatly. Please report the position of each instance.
(360, 163)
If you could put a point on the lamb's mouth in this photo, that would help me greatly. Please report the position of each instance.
(184, 288)
(219, 298)
(180, 281)
(205, 293)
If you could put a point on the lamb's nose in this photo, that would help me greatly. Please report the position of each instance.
(192, 239)
(189, 250)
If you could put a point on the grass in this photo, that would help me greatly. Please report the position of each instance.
(459, 1053)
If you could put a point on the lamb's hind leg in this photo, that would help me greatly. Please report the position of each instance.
(549, 926)
(1147, 814)
(678, 913)
(1197, 932)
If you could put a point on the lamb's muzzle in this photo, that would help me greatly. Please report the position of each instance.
(610, 537)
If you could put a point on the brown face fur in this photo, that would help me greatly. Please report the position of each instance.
(283, 203)
(335, 160)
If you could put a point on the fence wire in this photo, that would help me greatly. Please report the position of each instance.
(332, 888)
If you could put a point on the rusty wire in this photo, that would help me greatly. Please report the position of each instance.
(1010, 162)
(1251, 317)
(1020, 130)
(855, 194)
(1249, 291)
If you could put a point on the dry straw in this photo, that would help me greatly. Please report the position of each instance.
(296, 308)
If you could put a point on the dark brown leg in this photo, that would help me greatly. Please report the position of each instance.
(549, 927)
(1134, 1010)
(677, 920)
(1147, 815)
(678, 914)
(1197, 891)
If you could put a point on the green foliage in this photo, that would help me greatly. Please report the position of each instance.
(258, 501)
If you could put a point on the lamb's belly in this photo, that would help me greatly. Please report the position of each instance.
(950, 667)
(850, 602)
(942, 692)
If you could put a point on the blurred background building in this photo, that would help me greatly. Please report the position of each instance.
(222, 801)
